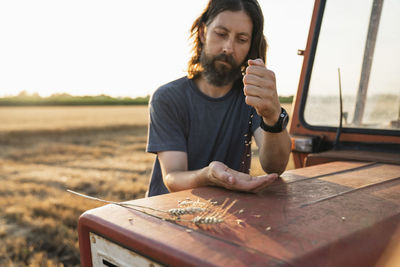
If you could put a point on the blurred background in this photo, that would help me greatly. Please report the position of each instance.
(124, 48)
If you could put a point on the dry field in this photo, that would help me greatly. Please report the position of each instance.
(98, 151)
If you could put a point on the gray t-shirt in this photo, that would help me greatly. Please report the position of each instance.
(182, 118)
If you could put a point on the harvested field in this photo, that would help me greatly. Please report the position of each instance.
(45, 150)
(99, 151)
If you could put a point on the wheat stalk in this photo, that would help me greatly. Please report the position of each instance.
(208, 212)
(113, 202)
(190, 203)
(218, 215)
(182, 211)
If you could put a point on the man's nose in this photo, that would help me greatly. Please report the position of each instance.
(228, 46)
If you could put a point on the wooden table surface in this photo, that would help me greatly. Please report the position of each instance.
(335, 214)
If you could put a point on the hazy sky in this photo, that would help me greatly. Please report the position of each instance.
(341, 45)
(124, 48)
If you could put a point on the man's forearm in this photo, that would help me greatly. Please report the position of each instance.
(217, 174)
(182, 180)
(274, 151)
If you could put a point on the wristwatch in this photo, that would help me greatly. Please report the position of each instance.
(279, 126)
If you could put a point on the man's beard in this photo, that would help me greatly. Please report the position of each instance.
(219, 74)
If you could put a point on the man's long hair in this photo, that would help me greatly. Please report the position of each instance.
(258, 48)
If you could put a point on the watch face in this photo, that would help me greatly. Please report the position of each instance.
(285, 121)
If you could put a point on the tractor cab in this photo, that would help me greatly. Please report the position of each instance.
(348, 102)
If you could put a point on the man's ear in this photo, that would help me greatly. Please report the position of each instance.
(202, 33)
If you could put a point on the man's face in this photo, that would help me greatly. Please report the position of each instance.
(226, 41)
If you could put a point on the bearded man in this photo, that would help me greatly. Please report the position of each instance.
(201, 125)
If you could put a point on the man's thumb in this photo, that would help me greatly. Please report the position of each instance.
(257, 61)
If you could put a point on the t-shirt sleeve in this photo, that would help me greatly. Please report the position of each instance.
(166, 126)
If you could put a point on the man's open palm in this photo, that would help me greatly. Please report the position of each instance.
(222, 175)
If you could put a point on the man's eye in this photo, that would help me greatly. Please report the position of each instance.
(220, 34)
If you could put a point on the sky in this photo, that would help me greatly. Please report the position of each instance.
(125, 48)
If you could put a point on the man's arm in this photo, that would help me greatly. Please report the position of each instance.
(176, 176)
(261, 93)
(274, 150)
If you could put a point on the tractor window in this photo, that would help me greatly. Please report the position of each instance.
(361, 38)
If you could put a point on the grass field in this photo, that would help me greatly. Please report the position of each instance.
(98, 151)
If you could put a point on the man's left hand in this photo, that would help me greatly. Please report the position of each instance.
(260, 91)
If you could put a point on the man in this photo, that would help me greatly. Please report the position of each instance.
(201, 125)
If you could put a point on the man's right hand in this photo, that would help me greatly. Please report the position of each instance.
(177, 177)
(223, 176)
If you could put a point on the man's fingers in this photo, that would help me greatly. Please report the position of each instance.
(257, 61)
(252, 90)
(234, 180)
(226, 178)
(230, 180)
(271, 178)
(261, 72)
(251, 184)
(266, 180)
(253, 101)
(222, 174)
(256, 67)
(256, 70)
(253, 79)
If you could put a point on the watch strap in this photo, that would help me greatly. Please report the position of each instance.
(279, 126)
